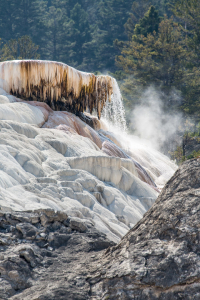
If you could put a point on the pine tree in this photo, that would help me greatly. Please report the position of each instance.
(54, 26)
(158, 59)
(149, 23)
(27, 14)
(111, 17)
(78, 36)
(22, 48)
(136, 14)
(188, 11)
(7, 19)
(22, 17)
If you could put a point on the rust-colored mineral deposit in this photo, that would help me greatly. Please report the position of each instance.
(60, 86)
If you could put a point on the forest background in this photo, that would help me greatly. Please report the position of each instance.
(141, 43)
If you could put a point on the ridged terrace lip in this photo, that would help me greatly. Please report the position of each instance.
(59, 85)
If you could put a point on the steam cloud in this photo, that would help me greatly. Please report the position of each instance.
(152, 122)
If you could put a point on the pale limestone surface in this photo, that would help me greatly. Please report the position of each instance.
(44, 168)
(37, 172)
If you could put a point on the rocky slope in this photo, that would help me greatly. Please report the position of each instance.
(160, 257)
(47, 255)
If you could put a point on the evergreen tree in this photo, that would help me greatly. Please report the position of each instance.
(149, 23)
(111, 17)
(158, 59)
(136, 14)
(22, 17)
(22, 48)
(78, 37)
(7, 19)
(188, 12)
(55, 36)
(27, 14)
(79, 33)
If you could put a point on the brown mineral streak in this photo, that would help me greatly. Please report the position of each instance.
(60, 86)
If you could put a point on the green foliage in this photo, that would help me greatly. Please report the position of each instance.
(155, 49)
(136, 14)
(78, 36)
(54, 37)
(7, 19)
(178, 155)
(157, 58)
(80, 33)
(193, 131)
(188, 11)
(180, 158)
(140, 7)
(149, 23)
(20, 17)
(195, 154)
(110, 20)
(22, 48)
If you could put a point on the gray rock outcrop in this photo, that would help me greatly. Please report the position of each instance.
(160, 257)
(47, 255)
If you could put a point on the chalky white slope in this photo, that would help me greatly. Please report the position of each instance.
(63, 168)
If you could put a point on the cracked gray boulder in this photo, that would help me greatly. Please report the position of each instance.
(160, 257)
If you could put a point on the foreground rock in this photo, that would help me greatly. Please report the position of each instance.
(160, 257)
(47, 255)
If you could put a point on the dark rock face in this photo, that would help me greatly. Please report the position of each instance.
(160, 257)
(47, 255)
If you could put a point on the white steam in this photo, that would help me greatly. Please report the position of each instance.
(152, 122)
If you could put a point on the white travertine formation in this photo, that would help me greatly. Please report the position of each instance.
(57, 84)
(36, 174)
(21, 112)
(61, 166)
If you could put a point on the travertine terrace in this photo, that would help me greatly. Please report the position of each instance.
(53, 160)
(60, 86)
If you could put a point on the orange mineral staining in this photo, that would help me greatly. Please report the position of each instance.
(60, 86)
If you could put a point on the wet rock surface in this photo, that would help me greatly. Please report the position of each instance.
(160, 257)
(48, 255)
